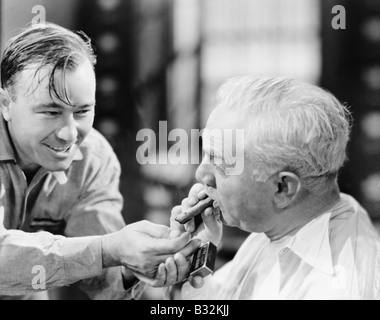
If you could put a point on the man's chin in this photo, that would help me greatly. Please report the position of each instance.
(230, 222)
(58, 167)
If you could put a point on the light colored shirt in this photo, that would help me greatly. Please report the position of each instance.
(334, 257)
(44, 225)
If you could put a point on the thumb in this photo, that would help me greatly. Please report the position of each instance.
(212, 229)
(197, 282)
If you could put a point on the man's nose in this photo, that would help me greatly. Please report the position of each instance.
(68, 131)
(205, 175)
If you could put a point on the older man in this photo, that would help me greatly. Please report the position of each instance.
(308, 240)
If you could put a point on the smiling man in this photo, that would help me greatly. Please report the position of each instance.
(307, 239)
(45, 129)
(60, 205)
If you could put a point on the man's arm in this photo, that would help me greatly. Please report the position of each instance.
(39, 261)
(32, 262)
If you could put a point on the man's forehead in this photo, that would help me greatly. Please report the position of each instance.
(224, 133)
(35, 83)
(33, 80)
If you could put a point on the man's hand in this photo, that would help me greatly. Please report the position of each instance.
(174, 270)
(210, 230)
(143, 246)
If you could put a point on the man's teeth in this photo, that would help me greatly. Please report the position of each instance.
(60, 149)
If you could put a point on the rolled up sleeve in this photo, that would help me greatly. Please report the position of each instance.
(32, 262)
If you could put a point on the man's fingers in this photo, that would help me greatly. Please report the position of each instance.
(173, 245)
(175, 233)
(196, 194)
(176, 228)
(211, 224)
(212, 229)
(190, 248)
(152, 229)
(209, 211)
(183, 266)
(161, 275)
(196, 282)
(190, 226)
(196, 189)
(202, 195)
(171, 269)
(158, 281)
(189, 202)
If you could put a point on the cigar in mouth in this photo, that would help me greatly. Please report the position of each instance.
(195, 210)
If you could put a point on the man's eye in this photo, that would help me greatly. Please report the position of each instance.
(51, 113)
(82, 112)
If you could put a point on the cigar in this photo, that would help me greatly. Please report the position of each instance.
(193, 211)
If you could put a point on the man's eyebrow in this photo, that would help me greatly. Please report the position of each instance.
(86, 105)
(53, 105)
(47, 105)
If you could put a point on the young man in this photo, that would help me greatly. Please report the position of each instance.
(308, 240)
(59, 180)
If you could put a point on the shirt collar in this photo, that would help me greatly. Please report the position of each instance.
(6, 148)
(312, 244)
(61, 176)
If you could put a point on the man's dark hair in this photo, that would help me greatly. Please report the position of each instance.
(46, 45)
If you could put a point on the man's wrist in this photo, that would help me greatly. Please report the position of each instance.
(110, 258)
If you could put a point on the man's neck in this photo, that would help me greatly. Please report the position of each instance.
(289, 223)
(29, 172)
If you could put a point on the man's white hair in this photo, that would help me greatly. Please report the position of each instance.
(290, 125)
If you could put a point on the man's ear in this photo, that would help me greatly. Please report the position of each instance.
(5, 101)
(288, 186)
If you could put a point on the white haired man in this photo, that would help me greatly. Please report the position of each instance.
(308, 240)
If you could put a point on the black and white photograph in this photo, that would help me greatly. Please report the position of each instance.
(189, 153)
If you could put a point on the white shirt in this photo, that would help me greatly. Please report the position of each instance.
(335, 256)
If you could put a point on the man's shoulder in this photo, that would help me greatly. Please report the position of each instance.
(349, 208)
(351, 220)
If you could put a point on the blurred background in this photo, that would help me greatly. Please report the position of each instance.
(162, 60)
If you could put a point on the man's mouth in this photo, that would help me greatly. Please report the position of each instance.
(60, 149)
(216, 205)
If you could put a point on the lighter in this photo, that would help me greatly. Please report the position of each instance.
(203, 262)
